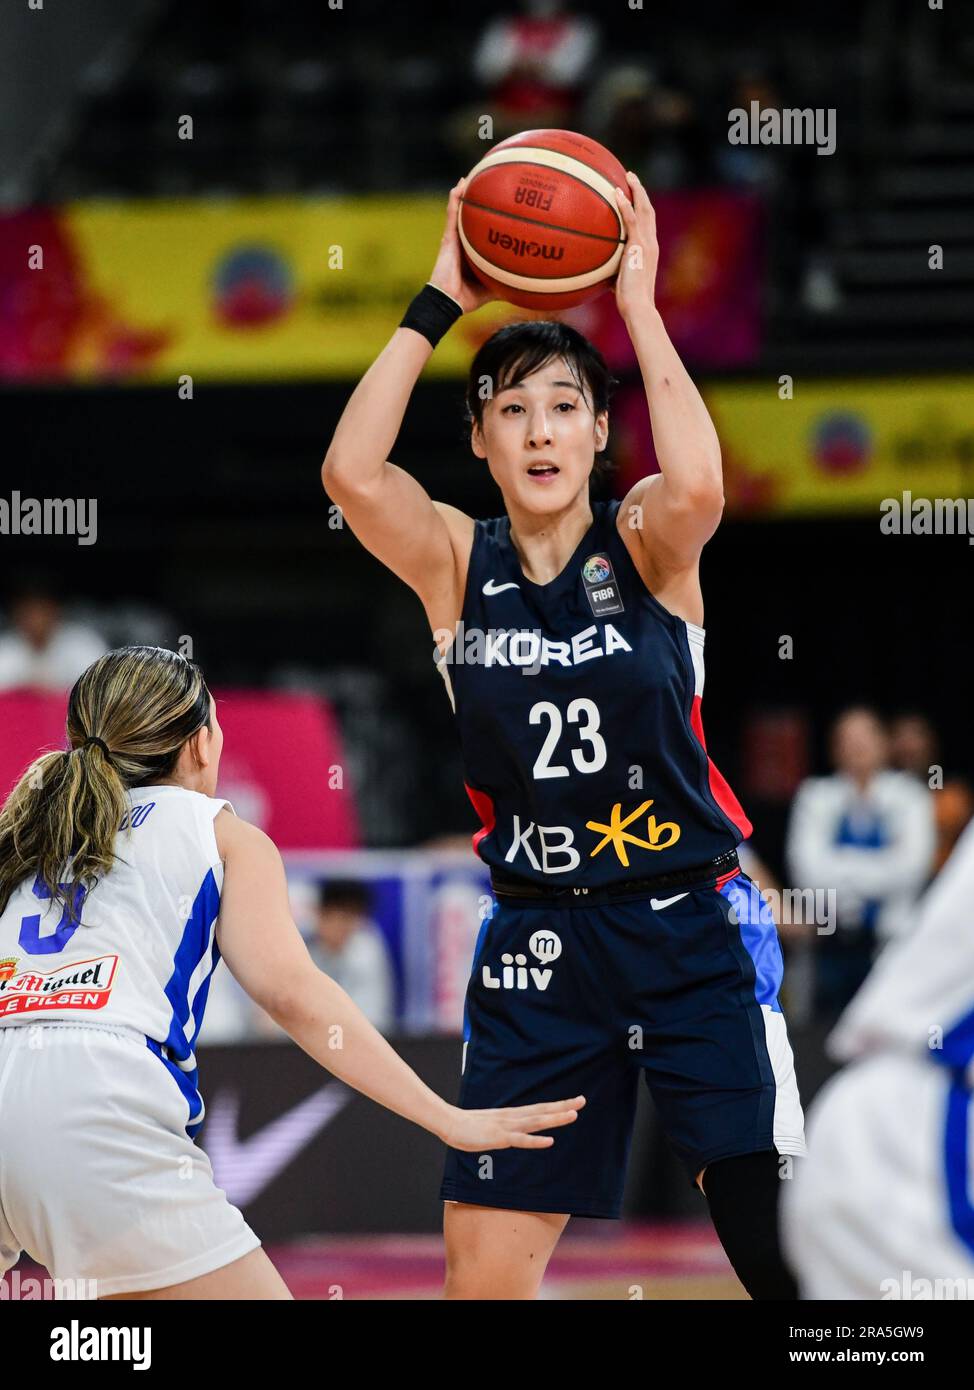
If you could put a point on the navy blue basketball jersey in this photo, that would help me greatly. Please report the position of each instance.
(578, 708)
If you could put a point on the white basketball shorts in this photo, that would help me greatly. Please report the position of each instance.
(98, 1177)
(881, 1208)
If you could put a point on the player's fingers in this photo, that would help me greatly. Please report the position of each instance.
(639, 195)
(626, 208)
(642, 198)
(541, 1107)
(530, 1141)
(453, 207)
(515, 1119)
(552, 1121)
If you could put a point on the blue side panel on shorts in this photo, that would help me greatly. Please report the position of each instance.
(188, 1083)
(957, 1158)
(760, 937)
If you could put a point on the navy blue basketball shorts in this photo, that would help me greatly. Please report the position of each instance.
(578, 1000)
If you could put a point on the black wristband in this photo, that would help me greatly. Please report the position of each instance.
(431, 313)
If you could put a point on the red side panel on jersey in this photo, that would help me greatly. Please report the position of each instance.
(484, 807)
(720, 789)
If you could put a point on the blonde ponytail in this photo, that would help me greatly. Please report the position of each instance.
(129, 716)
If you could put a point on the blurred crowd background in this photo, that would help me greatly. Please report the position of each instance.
(184, 353)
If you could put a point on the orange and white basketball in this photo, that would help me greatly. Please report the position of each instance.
(539, 221)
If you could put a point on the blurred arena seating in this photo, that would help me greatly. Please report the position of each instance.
(307, 100)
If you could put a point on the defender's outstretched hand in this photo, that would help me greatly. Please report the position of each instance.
(477, 1131)
(451, 273)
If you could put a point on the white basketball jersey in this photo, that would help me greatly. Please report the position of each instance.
(142, 956)
(920, 993)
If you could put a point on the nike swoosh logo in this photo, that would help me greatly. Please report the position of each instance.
(657, 903)
(491, 588)
(245, 1168)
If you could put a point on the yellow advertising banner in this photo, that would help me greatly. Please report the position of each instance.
(843, 445)
(272, 288)
(289, 288)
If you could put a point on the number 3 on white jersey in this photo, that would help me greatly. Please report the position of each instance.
(588, 731)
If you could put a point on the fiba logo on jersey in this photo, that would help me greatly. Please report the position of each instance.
(596, 569)
(600, 586)
(545, 945)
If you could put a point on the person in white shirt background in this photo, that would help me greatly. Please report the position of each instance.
(867, 833)
(349, 947)
(41, 650)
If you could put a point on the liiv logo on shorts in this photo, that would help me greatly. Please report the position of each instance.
(545, 945)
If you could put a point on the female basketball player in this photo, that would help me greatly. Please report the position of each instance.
(103, 983)
(625, 937)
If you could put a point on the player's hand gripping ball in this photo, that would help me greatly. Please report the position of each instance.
(635, 283)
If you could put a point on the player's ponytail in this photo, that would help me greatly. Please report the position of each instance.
(129, 715)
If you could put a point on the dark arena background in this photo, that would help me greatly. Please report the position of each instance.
(212, 218)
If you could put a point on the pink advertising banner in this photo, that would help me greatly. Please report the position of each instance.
(282, 766)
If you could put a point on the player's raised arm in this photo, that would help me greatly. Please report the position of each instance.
(387, 509)
(265, 953)
(681, 505)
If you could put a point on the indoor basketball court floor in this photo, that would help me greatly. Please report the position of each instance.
(594, 1260)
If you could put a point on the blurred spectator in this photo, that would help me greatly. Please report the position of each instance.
(41, 649)
(349, 947)
(651, 127)
(867, 833)
(533, 65)
(916, 748)
(749, 166)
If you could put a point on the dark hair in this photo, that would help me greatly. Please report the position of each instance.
(349, 893)
(62, 817)
(518, 349)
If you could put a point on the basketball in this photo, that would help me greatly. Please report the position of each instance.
(538, 219)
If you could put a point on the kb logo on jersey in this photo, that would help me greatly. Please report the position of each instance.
(557, 842)
(659, 835)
